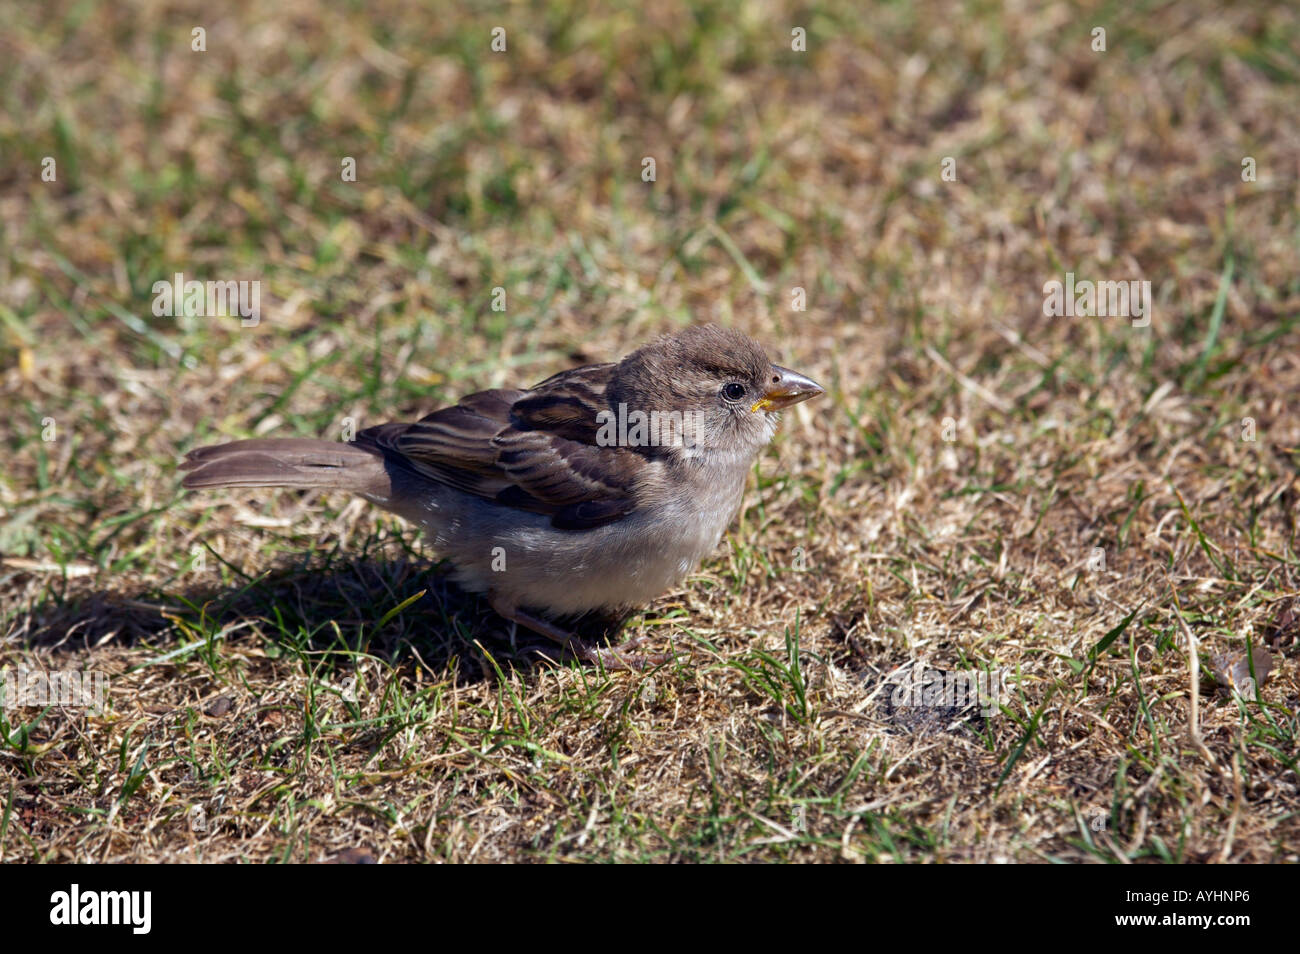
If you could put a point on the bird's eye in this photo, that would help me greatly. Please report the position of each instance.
(733, 391)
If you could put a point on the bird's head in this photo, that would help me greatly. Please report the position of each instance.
(718, 382)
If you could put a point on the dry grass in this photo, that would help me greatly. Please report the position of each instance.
(250, 673)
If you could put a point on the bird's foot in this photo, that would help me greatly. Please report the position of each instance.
(610, 657)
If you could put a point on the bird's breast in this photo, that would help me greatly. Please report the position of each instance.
(626, 563)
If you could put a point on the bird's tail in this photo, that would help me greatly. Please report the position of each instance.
(305, 464)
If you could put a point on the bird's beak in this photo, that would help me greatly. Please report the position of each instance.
(786, 388)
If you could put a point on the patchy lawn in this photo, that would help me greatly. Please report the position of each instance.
(1079, 507)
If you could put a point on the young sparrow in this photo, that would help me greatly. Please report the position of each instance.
(595, 490)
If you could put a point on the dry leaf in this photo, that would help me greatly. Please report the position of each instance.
(1232, 669)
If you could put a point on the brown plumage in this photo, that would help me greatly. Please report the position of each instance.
(530, 478)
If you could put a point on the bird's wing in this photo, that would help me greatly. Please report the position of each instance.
(533, 450)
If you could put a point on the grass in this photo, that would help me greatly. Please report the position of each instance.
(984, 488)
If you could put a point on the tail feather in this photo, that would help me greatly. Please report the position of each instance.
(305, 464)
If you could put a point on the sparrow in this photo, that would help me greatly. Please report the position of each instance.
(590, 493)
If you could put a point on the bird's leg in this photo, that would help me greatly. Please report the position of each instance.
(612, 657)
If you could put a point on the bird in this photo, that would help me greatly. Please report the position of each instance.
(592, 492)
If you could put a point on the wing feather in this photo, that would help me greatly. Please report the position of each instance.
(533, 450)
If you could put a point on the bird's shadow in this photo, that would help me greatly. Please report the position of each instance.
(404, 611)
